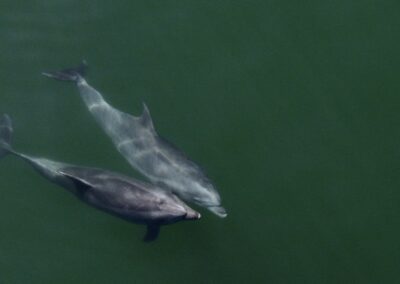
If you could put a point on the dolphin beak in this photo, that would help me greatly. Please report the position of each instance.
(192, 215)
(219, 211)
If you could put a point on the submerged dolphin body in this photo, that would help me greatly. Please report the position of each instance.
(137, 140)
(113, 193)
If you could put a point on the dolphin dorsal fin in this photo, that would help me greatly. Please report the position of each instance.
(81, 185)
(145, 118)
(5, 129)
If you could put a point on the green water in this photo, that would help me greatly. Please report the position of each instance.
(290, 106)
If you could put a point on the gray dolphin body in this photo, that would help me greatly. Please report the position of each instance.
(113, 193)
(136, 139)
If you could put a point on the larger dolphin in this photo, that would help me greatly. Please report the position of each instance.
(114, 193)
(137, 140)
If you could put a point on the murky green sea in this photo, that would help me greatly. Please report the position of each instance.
(292, 107)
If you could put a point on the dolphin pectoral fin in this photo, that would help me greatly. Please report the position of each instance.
(69, 74)
(152, 233)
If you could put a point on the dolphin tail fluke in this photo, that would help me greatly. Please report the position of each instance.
(152, 233)
(5, 135)
(70, 74)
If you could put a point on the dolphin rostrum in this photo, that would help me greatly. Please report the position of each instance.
(113, 193)
(137, 140)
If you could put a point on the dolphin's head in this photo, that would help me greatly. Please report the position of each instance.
(172, 209)
(218, 210)
(205, 195)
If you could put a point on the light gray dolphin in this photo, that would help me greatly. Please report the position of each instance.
(113, 193)
(137, 140)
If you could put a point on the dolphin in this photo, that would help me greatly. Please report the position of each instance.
(137, 140)
(121, 196)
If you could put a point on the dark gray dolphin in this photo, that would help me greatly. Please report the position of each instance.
(113, 193)
(137, 140)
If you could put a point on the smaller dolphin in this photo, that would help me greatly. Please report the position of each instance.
(113, 193)
(137, 140)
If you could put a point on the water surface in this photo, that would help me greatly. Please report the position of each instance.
(292, 109)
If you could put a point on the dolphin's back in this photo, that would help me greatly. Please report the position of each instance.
(136, 139)
(122, 128)
(128, 198)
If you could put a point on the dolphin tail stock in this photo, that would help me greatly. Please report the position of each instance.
(73, 74)
(5, 135)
